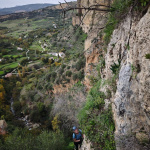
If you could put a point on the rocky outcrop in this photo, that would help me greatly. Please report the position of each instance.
(3, 126)
(129, 44)
(86, 145)
(132, 99)
(91, 18)
(92, 24)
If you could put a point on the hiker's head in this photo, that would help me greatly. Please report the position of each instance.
(75, 129)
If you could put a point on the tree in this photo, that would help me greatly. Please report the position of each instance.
(19, 73)
(2, 95)
(45, 60)
(17, 108)
(75, 77)
(24, 61)
(55, 124)
(68, 73)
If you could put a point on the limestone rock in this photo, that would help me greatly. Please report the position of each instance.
(142, 137)
(131, 102)
(3, 126)
(132, 99)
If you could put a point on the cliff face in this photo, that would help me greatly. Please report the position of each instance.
(129, 44)
(131, 103)
(91, 24)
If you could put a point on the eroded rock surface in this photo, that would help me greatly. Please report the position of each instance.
(132, 99)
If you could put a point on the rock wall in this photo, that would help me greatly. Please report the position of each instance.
(129, 43)
(131, 104)
(86, 145)
(91, 24)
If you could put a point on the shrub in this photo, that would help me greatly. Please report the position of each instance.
(147, 56)
(68, 67)
(24, 61)
(93, 80)
(57, 64)
(35, 115)
(37, 97)
(144, 2)
(63, 66)
(53, 74)
(80, 64)
(57, 81)
(118, 12)
(25, 139)
(4, 52)
(61, 71)
(97, 123)
(17, 108)
(119, 8)
(68, 80)
(17, 123)
(75, 77)
(68, 73)
(81, 75)
(115, 67)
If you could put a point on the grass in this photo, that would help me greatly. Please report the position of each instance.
(36, 46)
(2, 73)
(14, 56)
(20, 26)
(13, 65)
(10, 65)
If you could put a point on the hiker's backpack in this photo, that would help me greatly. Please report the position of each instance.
(79, 136)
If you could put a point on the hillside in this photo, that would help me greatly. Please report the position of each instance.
(39, 60)
(41, 12)
(24, 8)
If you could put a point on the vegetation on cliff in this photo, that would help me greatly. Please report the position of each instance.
(96, 121)
(120, 9)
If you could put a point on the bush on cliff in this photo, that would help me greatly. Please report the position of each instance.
(96, 122)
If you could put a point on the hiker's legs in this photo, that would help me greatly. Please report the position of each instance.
(81, 142)
(76, 145)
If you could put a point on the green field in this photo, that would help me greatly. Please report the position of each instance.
(23, 26)
(36, 46)
(10, 65)
(14, 56)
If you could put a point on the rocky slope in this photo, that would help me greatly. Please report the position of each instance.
(131, 102)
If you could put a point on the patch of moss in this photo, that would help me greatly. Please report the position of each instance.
(147, 56)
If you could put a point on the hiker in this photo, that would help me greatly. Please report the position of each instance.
(77, 137)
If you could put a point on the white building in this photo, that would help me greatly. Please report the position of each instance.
(19, 48)
(53, 54)
(54, 25)
(60, 54)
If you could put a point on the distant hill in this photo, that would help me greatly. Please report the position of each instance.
(49, 11)
(24, 8)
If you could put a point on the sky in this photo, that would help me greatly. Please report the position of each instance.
(12, 3)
